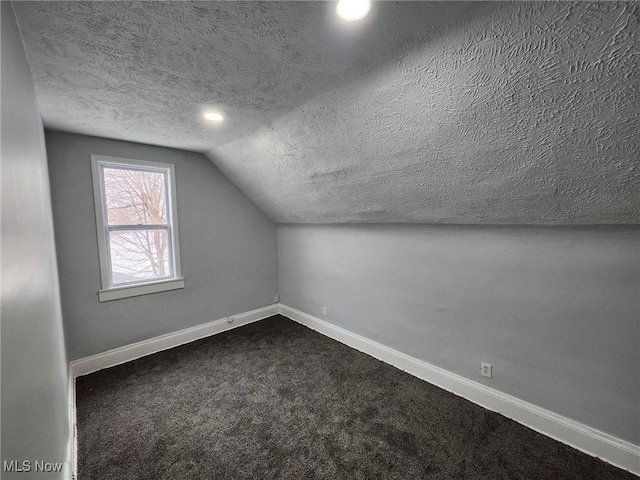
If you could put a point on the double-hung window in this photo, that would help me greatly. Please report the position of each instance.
(136, 217)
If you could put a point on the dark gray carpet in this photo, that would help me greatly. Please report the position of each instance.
(276, 400)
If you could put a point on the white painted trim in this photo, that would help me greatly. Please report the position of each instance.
(589, 440)
(102, 231)
(71, 472)
(130, 352)
(140, 289)
(98, 196)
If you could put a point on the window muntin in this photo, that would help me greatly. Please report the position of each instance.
(136, 220)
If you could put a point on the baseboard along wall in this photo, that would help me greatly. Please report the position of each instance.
(594, 442)
(70, 471)
(117, 356)
(589, 440)
(130, 352)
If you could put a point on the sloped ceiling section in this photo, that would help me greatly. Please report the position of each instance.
(528, 115)
(425, 112)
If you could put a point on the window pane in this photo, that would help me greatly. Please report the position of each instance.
(139, 255)
(135, 197)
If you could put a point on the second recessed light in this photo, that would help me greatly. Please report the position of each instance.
(352, 10)
(214, 116)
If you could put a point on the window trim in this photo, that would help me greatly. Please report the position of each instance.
(115, 292)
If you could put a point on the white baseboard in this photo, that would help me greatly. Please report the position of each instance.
(611, 449)
(72, 447)
(589, 440)
(111, 358)
(130, 352)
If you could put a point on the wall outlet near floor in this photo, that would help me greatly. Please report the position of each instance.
(324, 311)
(485, 370)
(229, 319)
(276, 298)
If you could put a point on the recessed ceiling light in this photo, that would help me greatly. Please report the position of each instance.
(352, 10)
(213, 116)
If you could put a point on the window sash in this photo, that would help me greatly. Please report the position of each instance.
(166, 173)
(135, 228)
(99, 163)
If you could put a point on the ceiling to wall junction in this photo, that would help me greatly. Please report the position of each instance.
(426, 112)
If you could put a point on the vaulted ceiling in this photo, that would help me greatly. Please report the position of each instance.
(426, 112)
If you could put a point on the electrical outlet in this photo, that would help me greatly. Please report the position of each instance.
(324, 311)
(276, 298)
(229, 319)
(486, 370)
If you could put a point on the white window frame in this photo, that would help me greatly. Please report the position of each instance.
(115, 292)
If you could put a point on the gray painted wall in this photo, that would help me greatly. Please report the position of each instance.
(228, 246)
(556, 310)
(34, 372)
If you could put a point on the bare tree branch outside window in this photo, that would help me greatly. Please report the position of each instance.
(137, 198)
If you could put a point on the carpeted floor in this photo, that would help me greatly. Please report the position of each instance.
(276, 400)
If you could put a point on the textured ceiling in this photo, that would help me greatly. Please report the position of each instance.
(423, 112)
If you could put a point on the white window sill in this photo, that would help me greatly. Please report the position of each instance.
(135, 290)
